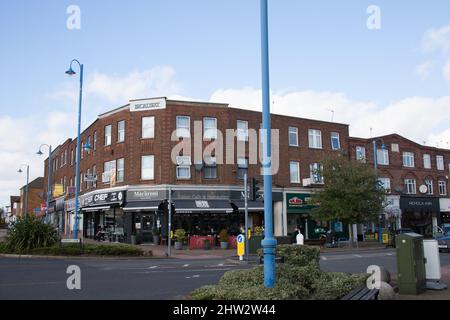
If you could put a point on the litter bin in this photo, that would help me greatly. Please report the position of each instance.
(410, 263)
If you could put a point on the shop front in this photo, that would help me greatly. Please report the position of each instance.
(298, 208)
(145, 213)
(58, 221)
(445, 213)
(420, 214)
(103, 217)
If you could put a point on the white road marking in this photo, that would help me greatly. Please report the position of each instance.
(357, 255)
(153, 267)
(324, 258)
(220, 264)
(186, 265)
(196, 276)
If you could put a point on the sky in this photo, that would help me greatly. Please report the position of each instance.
(327, 62)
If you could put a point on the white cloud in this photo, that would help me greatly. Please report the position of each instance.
(423, 70)
(446, 71)
(437, 40)
(417, 118)
(118, 89)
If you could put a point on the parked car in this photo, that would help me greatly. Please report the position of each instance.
(444, 242)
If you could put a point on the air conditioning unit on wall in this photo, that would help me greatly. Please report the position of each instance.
(306, 182)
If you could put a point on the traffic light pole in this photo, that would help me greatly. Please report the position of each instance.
(246, 215)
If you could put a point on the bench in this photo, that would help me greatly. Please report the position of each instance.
(362, 293)
(71, 241)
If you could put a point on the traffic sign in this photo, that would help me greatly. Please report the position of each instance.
(240, 245)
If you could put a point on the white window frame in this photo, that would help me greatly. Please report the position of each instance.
(211, 166)
(209, 132)
(108, 135)
(408, 159)
(429, 184)
(120, 170)
(442, 188)
(316, 179)
(315, 139)
(410, 183)
(358, 151)
(427, 161)
(383, 157)
(183, 131)
(293, 131)
(183, 163)
(150, 175)
(440, 163)
(296, 166)
(148, 127)
(107, 170)
(334, 136)
(386, 183)
(121, 131)
(242, 130)
(95, 141)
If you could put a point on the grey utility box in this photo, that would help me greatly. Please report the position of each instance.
(410, 263)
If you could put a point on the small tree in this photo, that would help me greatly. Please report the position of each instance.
(351, 193)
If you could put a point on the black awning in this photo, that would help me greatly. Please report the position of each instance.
(193, 206)
(142, 206)
(253, 206)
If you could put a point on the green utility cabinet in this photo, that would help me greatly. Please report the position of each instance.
(410, 263)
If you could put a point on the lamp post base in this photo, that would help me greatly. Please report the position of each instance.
(269, 246)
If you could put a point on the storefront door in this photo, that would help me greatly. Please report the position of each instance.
(147, 223)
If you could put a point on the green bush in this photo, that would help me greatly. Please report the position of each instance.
(29, 233)
(292, 283)
(299, 277)
(90, 249)
(297, 255)
(180, 235)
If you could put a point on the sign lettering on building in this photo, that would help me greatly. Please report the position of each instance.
(148, 104)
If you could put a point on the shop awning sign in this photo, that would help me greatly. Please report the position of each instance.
(299, 203)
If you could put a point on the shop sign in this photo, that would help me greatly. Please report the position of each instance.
(148, 104)
(103, 198)
(419, 204)
(298, 202)
(201, 204)
(58, 190)
(146, 195)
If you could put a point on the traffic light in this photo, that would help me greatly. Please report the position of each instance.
(254, 190)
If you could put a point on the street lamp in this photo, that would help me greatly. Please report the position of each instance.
(49, 191)
(268, 243)
(374, 142)
(26, 187)
(71, 72)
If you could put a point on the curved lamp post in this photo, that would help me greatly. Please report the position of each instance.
(49, 190)
(26, 187)
(375, 157)
(71, 72)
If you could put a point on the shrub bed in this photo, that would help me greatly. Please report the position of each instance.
(76, 250)
(299, 277)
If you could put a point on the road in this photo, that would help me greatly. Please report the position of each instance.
(146, 278)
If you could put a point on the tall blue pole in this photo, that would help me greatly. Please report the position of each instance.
(49, 191)
(77, 185)
(268, 243)
(375, 162)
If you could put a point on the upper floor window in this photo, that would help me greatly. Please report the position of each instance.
(62, 160)
(82, 150)
(335, 142)
(88, 144)
(294, 171)
(242, 130)
(183, 167)
(120, 170)
(442, 188)
(429, 184)
(383, 157)
(410, 186)
(147, 167)
(121, 131)
(209, 128)
(316, 170)
(65, 157)
(440, 162)
(361, 153)
(315, 139)
(210, 170)
(71, 157)
(148, 127)
(408, 159)
(183, 127)
(95, 141)
(109, 171)
(427, 161)
(108, 135)
(385, 183)
(242, 164)
(94, 173)
(293, 136)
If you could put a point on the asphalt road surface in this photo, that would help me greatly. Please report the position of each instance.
(41, 279)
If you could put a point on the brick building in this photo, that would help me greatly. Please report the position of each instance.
(415, 176)
(129, 152)
(35, 197)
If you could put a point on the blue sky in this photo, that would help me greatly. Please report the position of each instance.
(322, 55)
